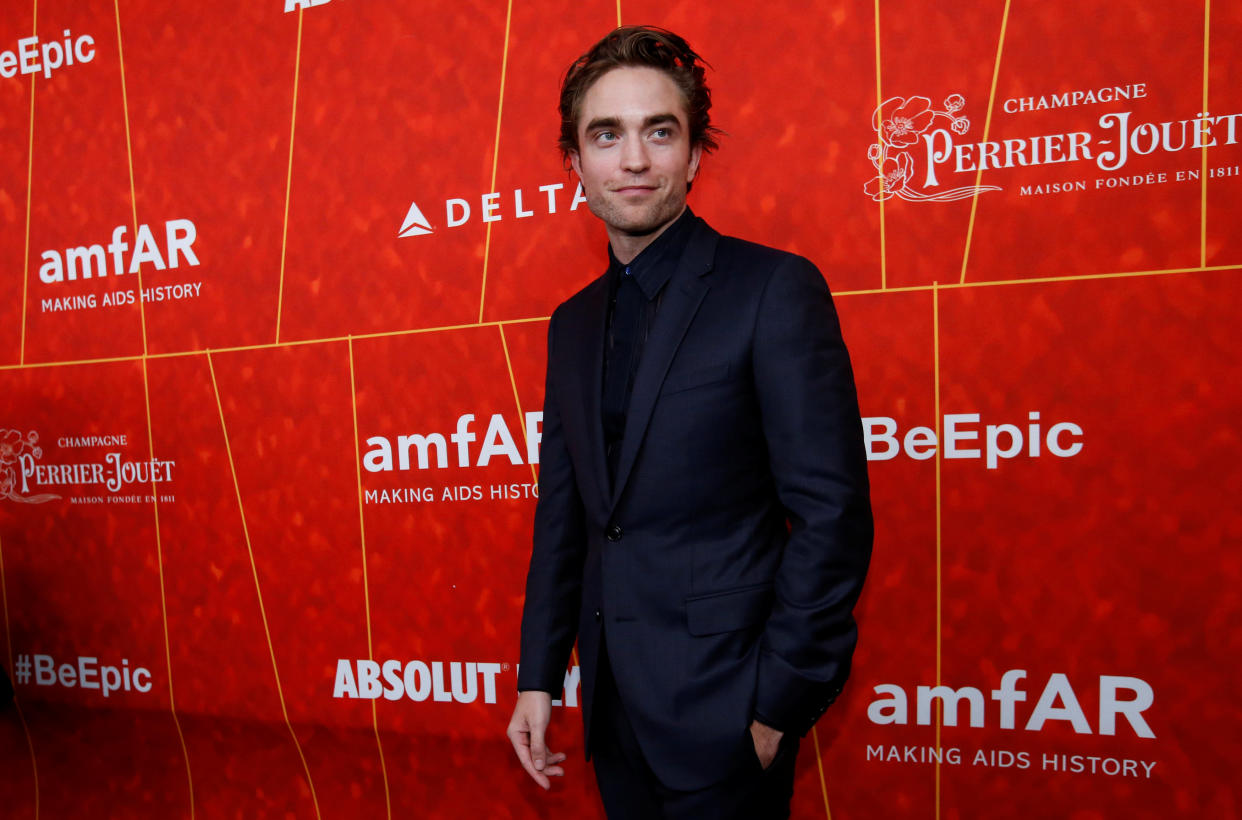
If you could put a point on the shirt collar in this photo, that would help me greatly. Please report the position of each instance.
(654, 265)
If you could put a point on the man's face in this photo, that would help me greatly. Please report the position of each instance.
(634, 155)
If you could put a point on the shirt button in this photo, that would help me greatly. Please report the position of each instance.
(613, 533)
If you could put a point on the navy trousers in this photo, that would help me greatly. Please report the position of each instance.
(631, 791)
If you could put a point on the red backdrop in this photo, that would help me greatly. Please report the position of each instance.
(225, 591)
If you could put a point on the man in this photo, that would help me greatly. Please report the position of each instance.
(703, 524)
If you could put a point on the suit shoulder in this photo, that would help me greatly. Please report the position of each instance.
(744, 249)
(760, 263)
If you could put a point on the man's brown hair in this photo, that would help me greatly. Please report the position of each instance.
(641, 46)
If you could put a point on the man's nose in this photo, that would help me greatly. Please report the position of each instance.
(634, 157)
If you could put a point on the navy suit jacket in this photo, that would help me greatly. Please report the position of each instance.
(725, 561)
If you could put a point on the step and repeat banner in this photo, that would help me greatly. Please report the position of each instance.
(274, 287)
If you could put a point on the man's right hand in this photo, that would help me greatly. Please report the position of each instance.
(526, 732)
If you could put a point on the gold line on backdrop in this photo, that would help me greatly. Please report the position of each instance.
(879, 99)
(273, 345)
(823, 785)
(936, 424)
(21, 356)
(146, 396)
(500, 109)
(21, 718)
(1203, 179)
(159, 564)
(366, 589)
(129, 158)
(284, 230)
(1038, 280)
(258, 592)
(987, 125)
(516, 398)
(819, 760)
(8, 640)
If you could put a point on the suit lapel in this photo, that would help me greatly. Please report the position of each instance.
(685, 292)
(589, 366)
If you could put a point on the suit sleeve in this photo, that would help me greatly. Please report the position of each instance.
(809, 408)
(554, 579)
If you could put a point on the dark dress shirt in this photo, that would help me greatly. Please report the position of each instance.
(635, 291)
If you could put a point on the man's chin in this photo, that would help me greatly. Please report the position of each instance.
(643, 224)
(642, 229)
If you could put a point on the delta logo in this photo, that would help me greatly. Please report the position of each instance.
(493, 207)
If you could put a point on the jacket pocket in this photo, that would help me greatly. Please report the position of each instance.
(728, 611)
(695, 378)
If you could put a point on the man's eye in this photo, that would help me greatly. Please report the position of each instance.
(660, 133)
(605, 136)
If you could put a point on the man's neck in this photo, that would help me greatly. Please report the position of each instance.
(626, 247)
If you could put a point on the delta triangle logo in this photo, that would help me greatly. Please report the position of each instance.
(415, 223)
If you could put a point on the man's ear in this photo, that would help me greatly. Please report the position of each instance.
(575, 162)
(696, 153)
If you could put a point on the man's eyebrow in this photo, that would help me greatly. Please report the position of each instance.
(603, 122)
(615, 122)
(661, 119)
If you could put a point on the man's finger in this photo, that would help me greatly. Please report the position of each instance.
(551, 768)
(521, 745)
(538, 749)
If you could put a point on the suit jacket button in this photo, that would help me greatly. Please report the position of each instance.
(613, 533)
(598, 615)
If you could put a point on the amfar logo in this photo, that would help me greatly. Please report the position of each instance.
(1123, 696)
(427, 448)
(899, 123)
(16, 451)
(92, 261)
(457, 212)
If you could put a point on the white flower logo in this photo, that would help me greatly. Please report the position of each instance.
(899, 122)
(13, 448)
